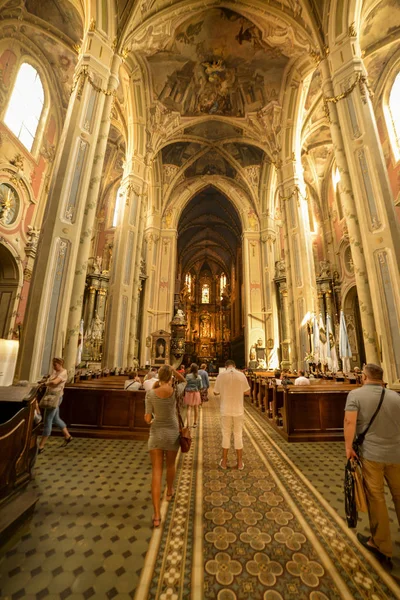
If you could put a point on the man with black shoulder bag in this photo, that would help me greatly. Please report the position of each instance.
(372, 434)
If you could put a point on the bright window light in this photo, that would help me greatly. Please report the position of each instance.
(117, 207)
(392, 112)
(205, 294)
(222, 284)
(335, 178)
(25, 105)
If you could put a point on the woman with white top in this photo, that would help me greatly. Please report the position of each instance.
(55, 383)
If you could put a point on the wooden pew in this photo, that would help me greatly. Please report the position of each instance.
(315, 412)
(18, 449)
(104, 412)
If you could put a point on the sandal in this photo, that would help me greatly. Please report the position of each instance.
(242, 467)
(220, 464)
(156, 522)
(169, 497)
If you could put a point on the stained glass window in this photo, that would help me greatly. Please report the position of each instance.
(25, 106)
(205, 293)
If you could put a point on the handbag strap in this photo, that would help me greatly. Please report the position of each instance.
(127, 388)
(364, 433)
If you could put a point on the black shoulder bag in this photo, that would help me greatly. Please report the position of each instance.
(359, 439)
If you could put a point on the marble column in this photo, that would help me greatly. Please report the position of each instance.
(72, 192)
(125, 269)
(253, 293)
(372, 206)
(136, 290)
(353, 224)
(286, 346)
(152, 241)
(299, 258)
(75, 309)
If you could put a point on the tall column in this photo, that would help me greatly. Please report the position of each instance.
(137, 289)
(125, 268)
(91, 303)
(299, 259)
(75, 309)
(353, 224)
(152, 240)
(373, 206)
(165, 278)
(102, 297)
(253, 297)
(286, 347)
(73, 191)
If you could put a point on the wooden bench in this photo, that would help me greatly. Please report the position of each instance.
(315, 412)
(18, 449)
(307, 413)
(104, 412)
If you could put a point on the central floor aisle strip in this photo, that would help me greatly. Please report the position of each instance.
(263, 533)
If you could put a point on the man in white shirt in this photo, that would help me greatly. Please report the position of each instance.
(301, 380)
(231, 385)
(150, 380)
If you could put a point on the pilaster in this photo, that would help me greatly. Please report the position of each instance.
(254, 308)
(60, 267)
(372, 206)
(125, 273)
(300, 293)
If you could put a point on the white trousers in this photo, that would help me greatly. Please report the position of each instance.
(227, 424)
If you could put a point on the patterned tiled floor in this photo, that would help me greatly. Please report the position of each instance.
(91, 528)
(323, 465)
(90, 531)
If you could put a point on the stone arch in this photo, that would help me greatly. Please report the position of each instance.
(184, 192)
(10, 282)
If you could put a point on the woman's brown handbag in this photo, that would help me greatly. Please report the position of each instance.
(51, 399)
(185, 439)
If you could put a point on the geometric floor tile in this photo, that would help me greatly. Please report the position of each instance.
(91, 527)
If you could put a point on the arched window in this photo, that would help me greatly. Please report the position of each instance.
(25, 106)
(205, 293)
(222, 284)
(117, 206)
(392, 111)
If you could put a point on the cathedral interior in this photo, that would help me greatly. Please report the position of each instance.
(200, 181)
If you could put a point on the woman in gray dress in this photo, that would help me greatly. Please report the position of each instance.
(164, 434)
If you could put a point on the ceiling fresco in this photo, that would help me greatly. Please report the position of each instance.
(214, 130)
(382, 21)
(376, 63)
(211, 163)
(245, 154)
(219, 64)
(60, 13)
(178, 153)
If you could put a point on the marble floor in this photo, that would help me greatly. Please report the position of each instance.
(91, 529)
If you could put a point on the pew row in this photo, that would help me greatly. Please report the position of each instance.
(18, 436)
(104, 412)
(312, 413)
